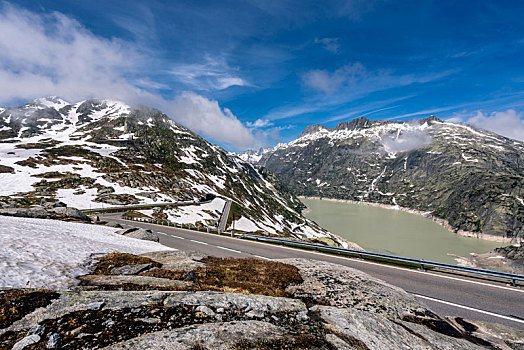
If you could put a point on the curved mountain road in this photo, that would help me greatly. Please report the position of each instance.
(446, 293)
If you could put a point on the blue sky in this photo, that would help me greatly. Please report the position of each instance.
(246, 74)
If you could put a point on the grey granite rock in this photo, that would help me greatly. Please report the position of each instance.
(71, 212)
(141, 233)
(367, 330)
(29, 340)
(177, 260)
(342, 286)
(131, 269)
(53, 341)
(119, 280)
(219, 336)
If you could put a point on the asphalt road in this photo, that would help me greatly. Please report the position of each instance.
(445, 293)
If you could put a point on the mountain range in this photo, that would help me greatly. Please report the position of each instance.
(97, 153)
(472, 179)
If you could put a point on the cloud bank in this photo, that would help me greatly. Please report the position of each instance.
(406, 141)
(508, 123)
(198, 113)
(53, 54)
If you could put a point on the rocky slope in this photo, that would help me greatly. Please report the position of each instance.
(101, 153)
(473, 179)
(182, 300)
(509, 259)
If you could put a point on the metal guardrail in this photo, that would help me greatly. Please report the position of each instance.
(513, 277)
(167, 223)
(145, 205)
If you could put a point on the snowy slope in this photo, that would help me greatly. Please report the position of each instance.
(49, 253)
(100, 153)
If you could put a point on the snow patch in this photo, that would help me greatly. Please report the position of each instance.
(40, 253)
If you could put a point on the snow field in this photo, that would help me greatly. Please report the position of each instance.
(50, 254)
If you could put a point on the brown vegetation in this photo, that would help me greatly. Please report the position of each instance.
(16, 303)
(247, 275)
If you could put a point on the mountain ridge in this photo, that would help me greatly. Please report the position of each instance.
(471, 178)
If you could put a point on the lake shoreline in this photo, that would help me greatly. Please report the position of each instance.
(444, 223)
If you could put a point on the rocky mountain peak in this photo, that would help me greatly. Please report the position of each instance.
(48, 102)
(311, 129)
(430, 120)
(357, 123)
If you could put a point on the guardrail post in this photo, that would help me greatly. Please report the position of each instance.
(513, 282)
(422, 267)
(208, 230)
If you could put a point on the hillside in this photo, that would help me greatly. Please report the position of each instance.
(98, 153)
(471, 178)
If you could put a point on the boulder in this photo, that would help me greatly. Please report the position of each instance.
(126, 231)
(71, 213)
(105, 190)
(39, 212)
(146, 235)
(113, 224)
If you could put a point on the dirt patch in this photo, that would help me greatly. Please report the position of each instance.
(16, 303)
(107, 262)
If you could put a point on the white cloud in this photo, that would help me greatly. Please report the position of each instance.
(330, 44)
(260, 123)
(508, 123)
(206, 117)
(330, 82)
(355, 78)
(406, 141)
(52, 54)
(213, 74)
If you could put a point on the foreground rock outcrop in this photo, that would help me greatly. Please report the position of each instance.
(215, 303)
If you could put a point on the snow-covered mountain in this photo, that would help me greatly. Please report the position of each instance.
(472, 178)
(103, 152)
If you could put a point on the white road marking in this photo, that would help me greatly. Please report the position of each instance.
(204, 243)
(469, 308)
(260, 257)
(177, 236)
(231, 250)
